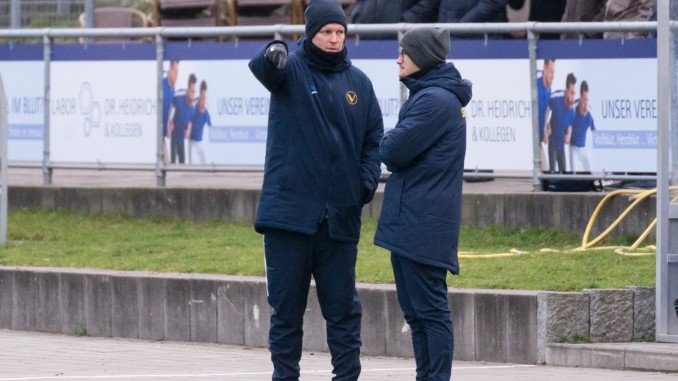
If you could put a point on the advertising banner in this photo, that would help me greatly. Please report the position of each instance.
(498, 118)
(614, 128)
(499, 129)
(22, 73)
(103, 102)
(237, 104)
(103, 110)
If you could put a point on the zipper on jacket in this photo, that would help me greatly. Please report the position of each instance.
(330, 82)
(326, 210)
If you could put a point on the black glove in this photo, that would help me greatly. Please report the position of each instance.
(277, 55)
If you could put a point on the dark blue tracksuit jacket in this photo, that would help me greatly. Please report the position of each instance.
(421, 213)
(394, 11)
(472, 11)
(322, 149)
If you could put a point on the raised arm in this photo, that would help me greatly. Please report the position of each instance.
(268, 65)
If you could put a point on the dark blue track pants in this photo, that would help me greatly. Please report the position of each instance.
(291, 260)
(422, 294)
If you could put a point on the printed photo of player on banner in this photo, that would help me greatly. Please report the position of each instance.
(597, 105)
(213, 113)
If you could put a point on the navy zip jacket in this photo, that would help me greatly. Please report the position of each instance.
(472, 11)
(394, 11)
(322, 149)
(421, 213)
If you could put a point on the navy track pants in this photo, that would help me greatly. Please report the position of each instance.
(291, 260)
(422, 294)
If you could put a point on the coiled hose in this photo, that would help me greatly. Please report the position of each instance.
(636, 196)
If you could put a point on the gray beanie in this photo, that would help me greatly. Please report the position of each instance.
(427, 47)
(322, 12)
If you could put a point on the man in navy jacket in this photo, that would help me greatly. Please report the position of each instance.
(394, 11)
(472, 11)
(322, 165)
(421, 213)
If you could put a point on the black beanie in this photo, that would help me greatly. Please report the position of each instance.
(322, 12)
(427, 47)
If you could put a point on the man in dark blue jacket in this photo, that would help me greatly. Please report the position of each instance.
(322, 165)
(421, 213)
(472, 11)
(394, 11)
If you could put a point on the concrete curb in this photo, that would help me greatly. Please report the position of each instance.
(492, 325)
(564, 211)
(595, 315)
(637, 356)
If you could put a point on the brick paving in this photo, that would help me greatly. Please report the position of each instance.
(39, 356)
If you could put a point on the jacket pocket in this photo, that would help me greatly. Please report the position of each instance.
(400, 196)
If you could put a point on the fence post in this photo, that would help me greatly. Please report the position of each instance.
(89, 13)
(536, 144)
(47, 57)
(404, 92)
(160, 171)
(15, 10)
(4, 130)
(666, 267)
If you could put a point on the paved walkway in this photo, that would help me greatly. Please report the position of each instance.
(38, 356)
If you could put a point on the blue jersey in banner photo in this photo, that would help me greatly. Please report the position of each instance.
(580, 125)
(561, 119)
(543, 96)
(183, 115)
(200, 119)
(167, 97)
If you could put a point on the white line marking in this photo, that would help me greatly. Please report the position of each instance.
(239, 374)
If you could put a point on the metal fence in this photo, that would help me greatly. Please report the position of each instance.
(48, 13)
(3, 164)
(667, 170)
(532, 30)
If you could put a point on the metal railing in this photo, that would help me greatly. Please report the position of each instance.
(37, 13)
(3, 164)
(532, 30)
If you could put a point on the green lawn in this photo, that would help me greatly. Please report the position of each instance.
(64, 239)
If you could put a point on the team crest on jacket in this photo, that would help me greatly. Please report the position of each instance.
(352, 97)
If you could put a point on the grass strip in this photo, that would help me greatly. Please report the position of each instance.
(68, 239)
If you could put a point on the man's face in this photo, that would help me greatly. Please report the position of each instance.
(569, 96)
(202, 99)
(172, 73)
(190, 93)
(330, 38)
(584, 102)
(548, 72)
(406, 65)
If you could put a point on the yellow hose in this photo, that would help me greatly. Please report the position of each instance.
(637, 195)
(640, 196)
(602, 203)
